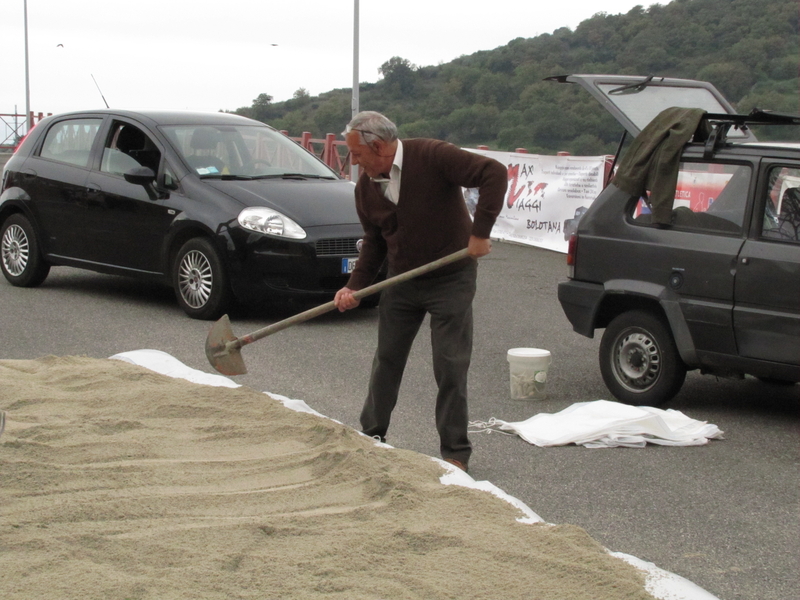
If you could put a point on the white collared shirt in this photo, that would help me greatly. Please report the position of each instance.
(393, 189)
(391, 186)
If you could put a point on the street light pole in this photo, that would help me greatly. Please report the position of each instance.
(354, 168)
(27, 75)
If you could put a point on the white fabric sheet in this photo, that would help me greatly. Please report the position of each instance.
(604, 424)
(168, 365)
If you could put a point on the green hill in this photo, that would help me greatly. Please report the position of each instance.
(749, 49)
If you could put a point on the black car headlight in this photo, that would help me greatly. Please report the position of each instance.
(271, 222)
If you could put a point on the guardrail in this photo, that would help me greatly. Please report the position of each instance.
(13, 128)
(328, 150)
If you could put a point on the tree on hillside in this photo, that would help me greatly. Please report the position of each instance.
(332, 116)
(261, 107)
(398, 73)
(260, 110)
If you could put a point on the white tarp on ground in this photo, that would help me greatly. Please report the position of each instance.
(660, 583)
(604, 424)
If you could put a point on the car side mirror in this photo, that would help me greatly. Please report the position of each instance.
(144, 177)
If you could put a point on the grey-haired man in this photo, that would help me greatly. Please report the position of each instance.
(410, 204)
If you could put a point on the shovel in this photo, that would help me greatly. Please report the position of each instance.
(223, 348)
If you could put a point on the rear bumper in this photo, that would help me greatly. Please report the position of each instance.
(580, 302)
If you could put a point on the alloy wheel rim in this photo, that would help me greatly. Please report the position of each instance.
(195, 279)
(637, 361)
(15, 250)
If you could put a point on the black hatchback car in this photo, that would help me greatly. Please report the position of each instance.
(700, 268)
(218, 206)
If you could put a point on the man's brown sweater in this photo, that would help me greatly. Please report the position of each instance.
(430, 219)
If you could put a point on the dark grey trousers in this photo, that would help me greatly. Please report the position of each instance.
(448, 300)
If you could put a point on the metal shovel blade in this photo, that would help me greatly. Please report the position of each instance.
(222, 351)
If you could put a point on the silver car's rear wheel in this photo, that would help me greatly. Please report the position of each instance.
(16, 250)
(639, 361)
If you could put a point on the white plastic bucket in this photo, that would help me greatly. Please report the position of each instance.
(528, 369)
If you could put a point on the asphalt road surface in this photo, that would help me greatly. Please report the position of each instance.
(725, 516)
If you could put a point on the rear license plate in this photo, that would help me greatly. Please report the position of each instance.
(348, 264)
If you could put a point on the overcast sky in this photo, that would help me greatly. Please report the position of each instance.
(202, 55)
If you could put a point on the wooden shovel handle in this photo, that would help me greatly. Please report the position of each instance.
(329, 306)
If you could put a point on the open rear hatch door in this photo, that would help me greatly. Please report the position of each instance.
(635, 101)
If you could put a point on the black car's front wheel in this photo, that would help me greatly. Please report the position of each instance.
(200, 281)
(20, 256)
(639, 360)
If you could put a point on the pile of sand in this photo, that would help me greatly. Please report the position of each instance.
(118, 482)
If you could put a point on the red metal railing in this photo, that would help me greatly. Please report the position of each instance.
(328, 150)
(14, 128)
(330, 153)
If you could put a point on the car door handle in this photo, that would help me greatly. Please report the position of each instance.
(93, 188)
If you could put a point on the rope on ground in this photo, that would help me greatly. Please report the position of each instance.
(490, 426)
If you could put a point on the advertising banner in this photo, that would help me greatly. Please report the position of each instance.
(546, 196)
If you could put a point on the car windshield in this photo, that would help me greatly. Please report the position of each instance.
(244, 152)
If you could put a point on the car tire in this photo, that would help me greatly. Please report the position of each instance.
(639, 360)
(20, 253)
(200, 281)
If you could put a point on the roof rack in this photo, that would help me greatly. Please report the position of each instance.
(756, 116)
(721, 123)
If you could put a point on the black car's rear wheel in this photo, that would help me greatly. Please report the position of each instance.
(639, 361)
(20, 255)
(200, 281)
